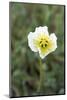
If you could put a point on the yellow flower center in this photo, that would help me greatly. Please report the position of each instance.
(43, 42)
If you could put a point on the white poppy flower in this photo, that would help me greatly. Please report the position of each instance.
(40, 41)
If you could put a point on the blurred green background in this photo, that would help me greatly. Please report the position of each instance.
(24, 70)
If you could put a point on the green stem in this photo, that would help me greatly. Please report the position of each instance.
(41, 77)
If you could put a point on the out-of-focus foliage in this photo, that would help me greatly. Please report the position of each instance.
(25, 63)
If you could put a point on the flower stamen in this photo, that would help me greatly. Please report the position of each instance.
(43, 42)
